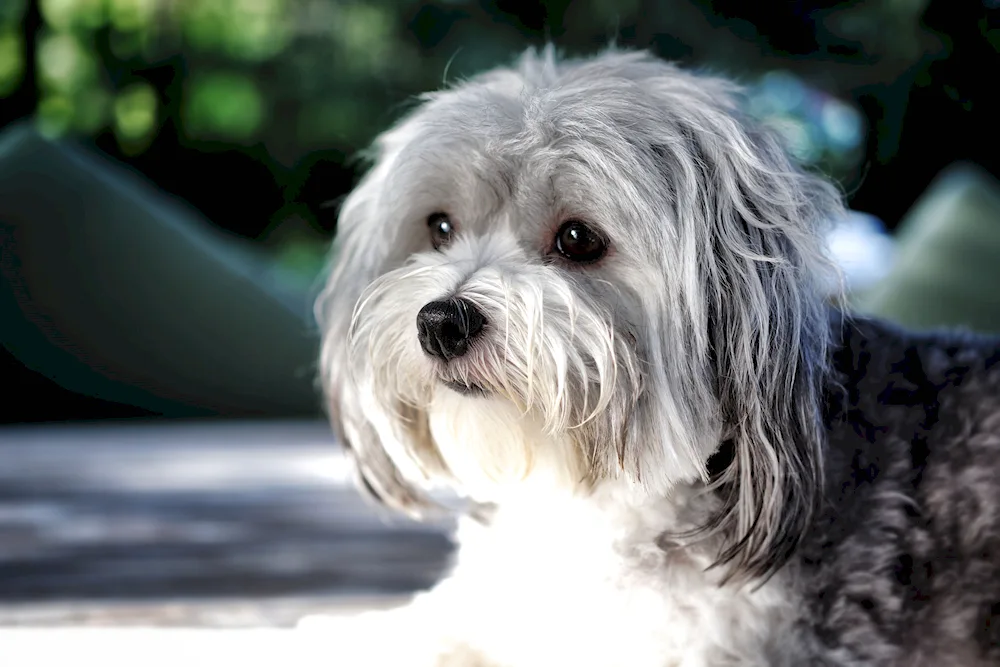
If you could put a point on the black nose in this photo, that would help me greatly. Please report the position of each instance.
(446, 328)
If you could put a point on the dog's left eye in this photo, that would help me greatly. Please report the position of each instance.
(441, 229)
(579, 243)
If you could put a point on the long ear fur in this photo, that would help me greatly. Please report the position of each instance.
(765, 274)
(762, 330)
(363, 252)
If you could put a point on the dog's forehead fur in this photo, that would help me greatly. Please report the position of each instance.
(618, 97)
(545, 142)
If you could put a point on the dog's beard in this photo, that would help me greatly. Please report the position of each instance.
(495, 451)
(550, 381)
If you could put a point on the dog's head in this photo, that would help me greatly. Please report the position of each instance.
(584, 270)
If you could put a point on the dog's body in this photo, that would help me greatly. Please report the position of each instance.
(900, 566)
(590, 296)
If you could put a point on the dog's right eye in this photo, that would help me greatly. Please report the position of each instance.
(441, 229)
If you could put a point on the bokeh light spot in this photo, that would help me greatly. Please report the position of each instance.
(364, 32)
(11, 61)
(135, 112)
(55, 115)
(842, 124)
(223, 104)
(63, 64)
(131, 15)
(784, 91)
(63, 15)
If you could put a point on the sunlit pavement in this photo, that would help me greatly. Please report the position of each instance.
(189, 633)
(129, 537)
(111, 647)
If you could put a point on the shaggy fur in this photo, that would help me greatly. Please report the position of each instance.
(683, 454)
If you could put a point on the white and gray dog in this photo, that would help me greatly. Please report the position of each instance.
(592, 297)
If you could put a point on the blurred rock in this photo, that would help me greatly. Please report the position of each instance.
(113, 289)
(947, 268)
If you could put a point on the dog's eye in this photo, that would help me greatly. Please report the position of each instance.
(441, 229)
(579, 243)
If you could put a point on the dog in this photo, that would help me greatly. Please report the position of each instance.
(593, 297)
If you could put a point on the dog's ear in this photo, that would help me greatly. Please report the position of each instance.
(753, 277)
(765, 278)
(386, 449)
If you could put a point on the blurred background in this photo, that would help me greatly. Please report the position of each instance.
(170, 174)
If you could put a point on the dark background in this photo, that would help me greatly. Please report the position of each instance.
(252, 110)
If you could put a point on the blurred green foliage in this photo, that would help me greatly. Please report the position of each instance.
(12, 47)
(299, 74)
(288, 78)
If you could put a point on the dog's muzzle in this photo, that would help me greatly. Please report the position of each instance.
(447, 328)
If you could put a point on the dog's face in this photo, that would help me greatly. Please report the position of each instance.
(585, 270)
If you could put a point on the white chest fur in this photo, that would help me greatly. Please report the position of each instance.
(580, 581)
(567, 575)
(576, 581)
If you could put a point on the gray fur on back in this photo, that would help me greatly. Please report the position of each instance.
(900, 566)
